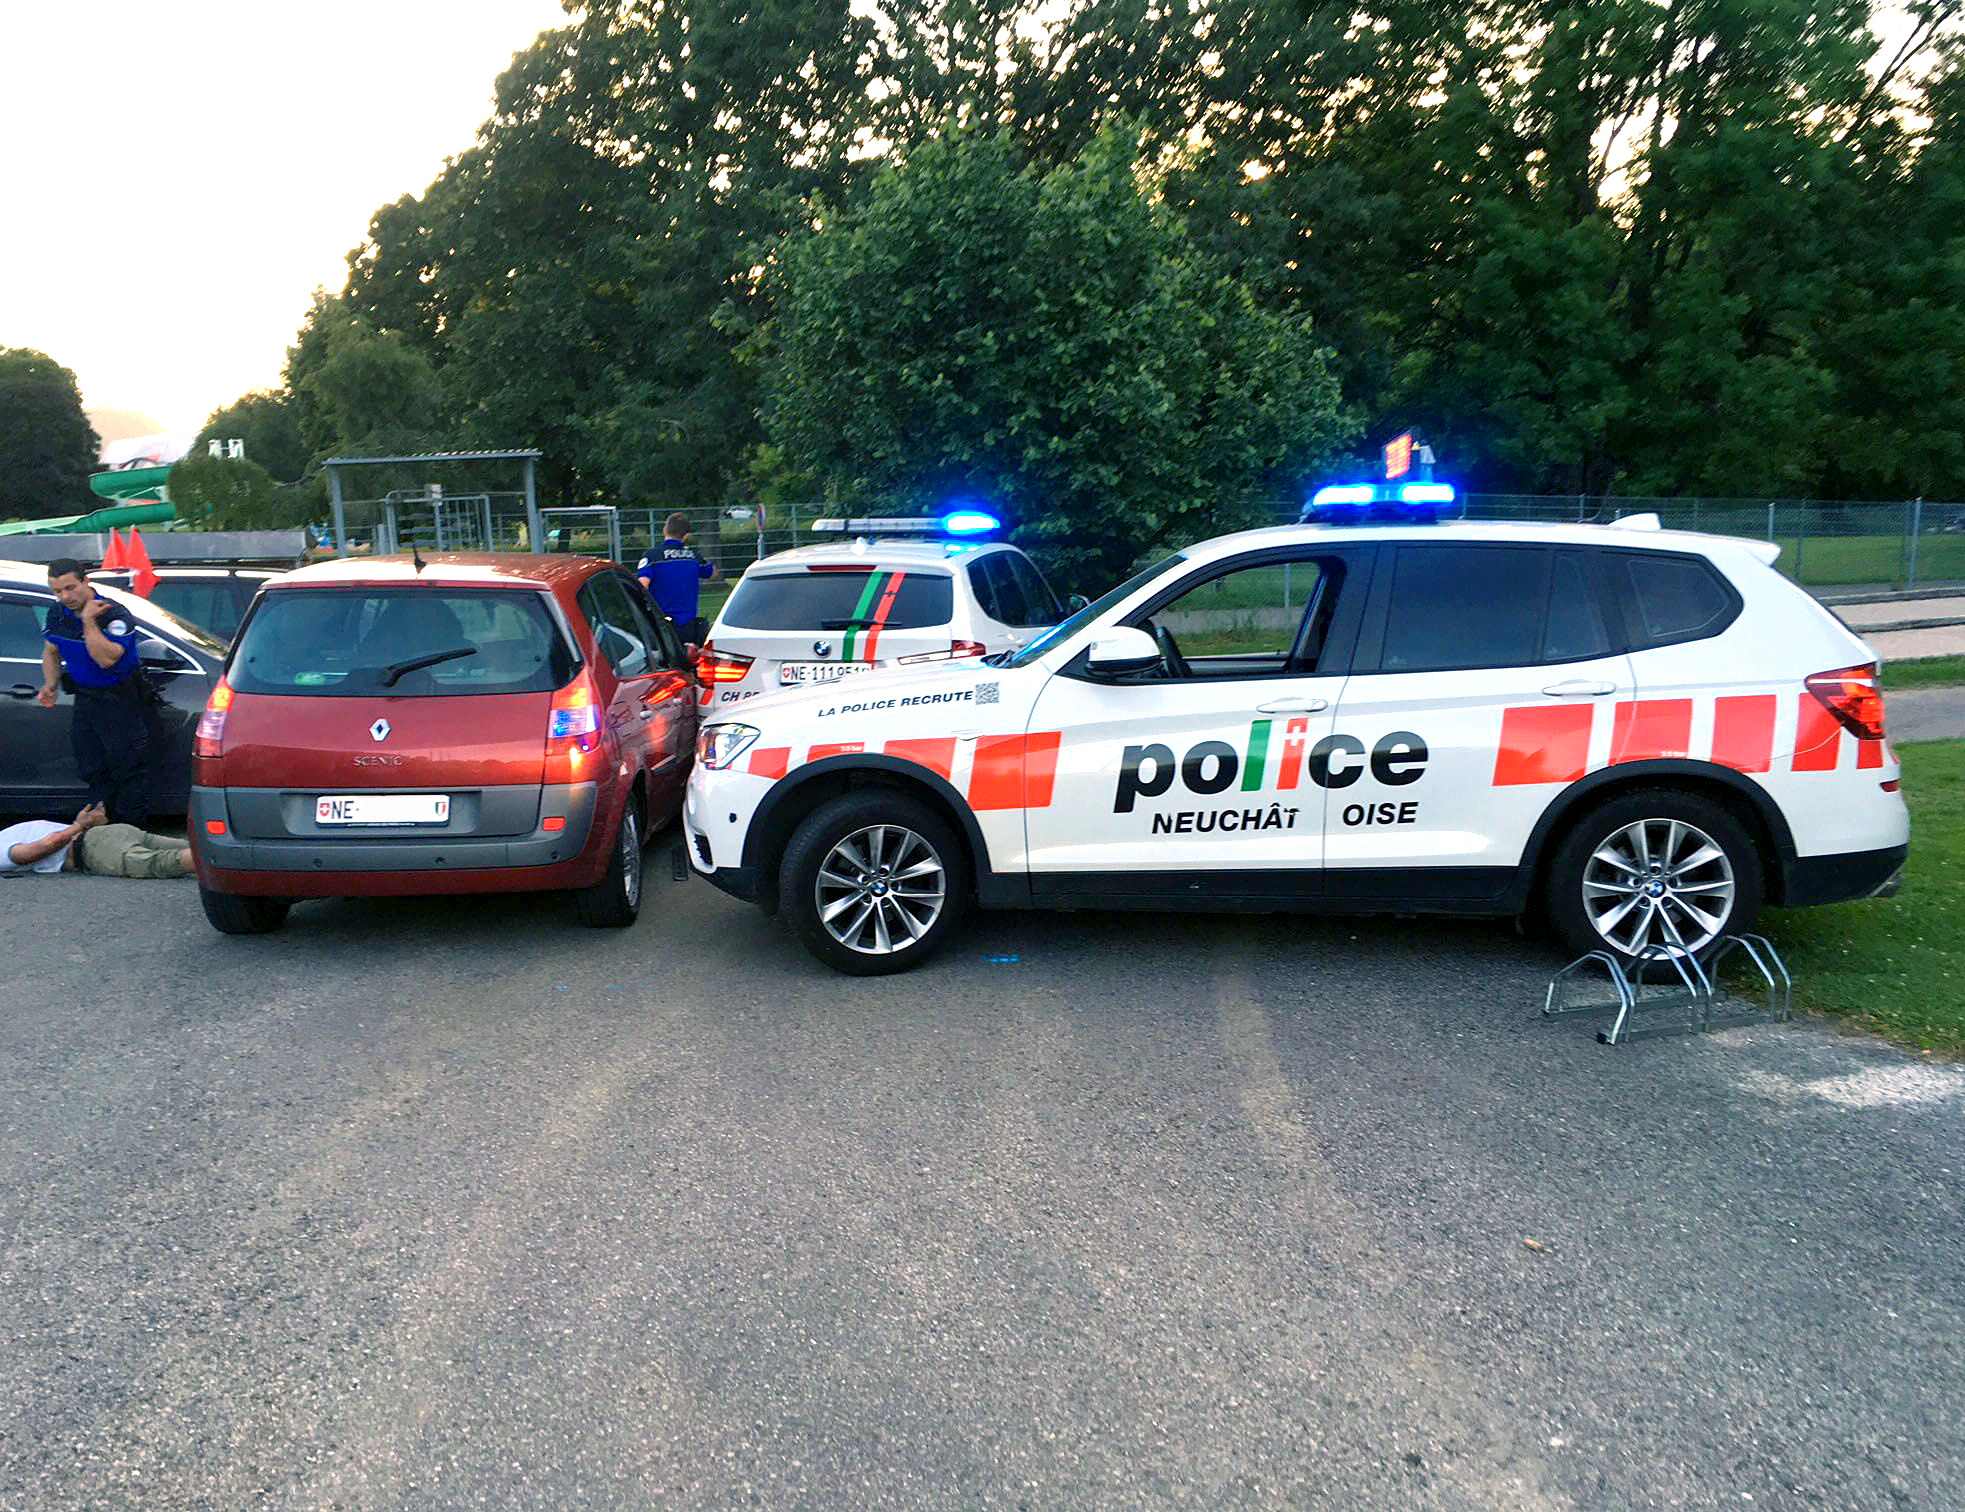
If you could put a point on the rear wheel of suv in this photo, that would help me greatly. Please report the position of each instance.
(872, 882)
(614, 902)
(232, 914)
(1658, 871)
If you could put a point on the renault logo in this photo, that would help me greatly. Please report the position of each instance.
(379, 730)
(822, 648)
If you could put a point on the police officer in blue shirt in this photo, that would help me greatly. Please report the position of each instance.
(93, 641)
(673, 575)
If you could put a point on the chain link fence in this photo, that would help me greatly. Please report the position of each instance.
(1824, 545)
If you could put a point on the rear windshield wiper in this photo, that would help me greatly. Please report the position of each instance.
(848, 624)
(417, 663)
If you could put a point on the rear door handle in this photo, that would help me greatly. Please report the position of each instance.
(1579, 688)
(22, 690)
(1293, 706)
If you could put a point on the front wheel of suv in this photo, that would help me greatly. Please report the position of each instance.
(231, 913)
(872, 882)
(614, 902)
(1654, 872)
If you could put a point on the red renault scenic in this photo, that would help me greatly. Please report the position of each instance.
(460, 724)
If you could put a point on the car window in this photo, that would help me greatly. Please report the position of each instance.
(1455, 607)
(1069, 626)
(983, 583)
(1576, 625)
(1243, 622)
(208, 602)
(360, 641)
(826, 598)
(1677, 598)
(654, 629)
(621, 634)
(1039, 602)
(1011, 609)
(21, 622)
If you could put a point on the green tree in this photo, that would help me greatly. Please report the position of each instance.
(352, 388)
(266, 421)
(221, 493)
(47, 446)
(1050, 343)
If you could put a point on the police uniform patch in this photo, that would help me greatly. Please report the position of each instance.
(119, 627)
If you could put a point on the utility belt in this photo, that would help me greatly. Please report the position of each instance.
(132, 688)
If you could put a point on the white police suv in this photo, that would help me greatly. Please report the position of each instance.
(1642, 734)
(905, 592)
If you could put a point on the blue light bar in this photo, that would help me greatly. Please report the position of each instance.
(959, 522)
(1342, 493)
(1426, 493)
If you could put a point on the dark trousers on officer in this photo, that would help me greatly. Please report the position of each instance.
(112, 747)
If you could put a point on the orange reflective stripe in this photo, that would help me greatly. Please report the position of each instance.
(1543, 743)
(1014, 771)
(1869, 754)
(936, 755)
(771, 761)
(1743, 732)
(1817, 737)
(838, 748)
(1649, 728)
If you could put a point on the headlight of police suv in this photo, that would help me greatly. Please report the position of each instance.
(721, 744)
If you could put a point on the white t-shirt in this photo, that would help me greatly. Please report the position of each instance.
(21, 834)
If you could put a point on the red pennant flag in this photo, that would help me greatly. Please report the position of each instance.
(113, 560)
(136, 557)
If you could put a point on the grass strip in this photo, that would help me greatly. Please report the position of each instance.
(1926, 672)
(1894, 965)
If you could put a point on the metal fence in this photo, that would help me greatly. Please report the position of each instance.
(1902, 544)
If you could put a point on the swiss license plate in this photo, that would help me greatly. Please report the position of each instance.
(383, 808)
(801, 674)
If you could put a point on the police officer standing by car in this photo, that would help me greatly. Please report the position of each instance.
(673, 575)
(93, 641)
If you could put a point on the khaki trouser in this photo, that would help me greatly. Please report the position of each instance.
(123, 850)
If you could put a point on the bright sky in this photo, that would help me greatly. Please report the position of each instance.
(178, 176)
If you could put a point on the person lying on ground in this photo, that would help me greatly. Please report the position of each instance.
(92, 844)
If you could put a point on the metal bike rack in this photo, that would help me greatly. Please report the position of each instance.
(1691, 1006)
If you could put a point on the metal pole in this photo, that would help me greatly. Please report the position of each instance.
(340, 520)
(532, 508)
(1770, 519)
(1916, 529)
(1800, 538)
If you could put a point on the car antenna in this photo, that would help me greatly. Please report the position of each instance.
(416, 556)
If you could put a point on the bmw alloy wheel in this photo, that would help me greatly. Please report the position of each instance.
(1658, 884)
(880, 889)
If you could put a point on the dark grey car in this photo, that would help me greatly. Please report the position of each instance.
(37, 767)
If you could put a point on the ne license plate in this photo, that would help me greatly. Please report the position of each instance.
(383, 808)
(797, 674)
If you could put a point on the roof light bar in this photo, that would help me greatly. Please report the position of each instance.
(1358, 503)
(957, 522)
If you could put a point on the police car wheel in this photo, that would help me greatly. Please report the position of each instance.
(1654, 871)
(230, 913)
(872, 882)
(614, 902)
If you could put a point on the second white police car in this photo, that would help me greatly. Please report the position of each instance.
(1643, 735)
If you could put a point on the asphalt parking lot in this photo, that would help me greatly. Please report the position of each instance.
(438, 1205)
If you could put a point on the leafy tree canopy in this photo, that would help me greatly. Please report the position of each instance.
(1051, 343)
(220, 493)
(47, 446)
(270, 428)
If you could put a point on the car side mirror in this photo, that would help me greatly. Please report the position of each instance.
(158, 656)
(1122, 649)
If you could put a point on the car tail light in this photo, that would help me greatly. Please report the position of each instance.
(956, 650)
(714, 666)
(210, 739)
(1852, 696)
(572, 730)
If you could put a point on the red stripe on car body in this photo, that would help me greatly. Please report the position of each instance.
(1543, 743)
